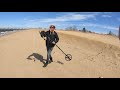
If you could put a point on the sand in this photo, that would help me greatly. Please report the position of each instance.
(93, 55)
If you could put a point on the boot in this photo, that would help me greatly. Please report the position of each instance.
(51, 59)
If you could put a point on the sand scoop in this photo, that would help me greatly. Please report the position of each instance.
(68, 57)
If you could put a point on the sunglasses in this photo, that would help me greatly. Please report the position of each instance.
(52, 27)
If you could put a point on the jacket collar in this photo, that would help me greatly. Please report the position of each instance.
(50, 32)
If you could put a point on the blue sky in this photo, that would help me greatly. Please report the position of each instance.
(100, 22)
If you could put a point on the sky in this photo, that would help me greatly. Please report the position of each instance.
(99, 22)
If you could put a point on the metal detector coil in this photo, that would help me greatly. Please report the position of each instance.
(68, 57)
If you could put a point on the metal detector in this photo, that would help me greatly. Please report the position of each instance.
(68, 57)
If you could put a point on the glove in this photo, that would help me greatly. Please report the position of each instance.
(42, 33)
(53, 42)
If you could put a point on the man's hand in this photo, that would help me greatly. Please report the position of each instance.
(53, 42)
(42, 33)
(44, 38)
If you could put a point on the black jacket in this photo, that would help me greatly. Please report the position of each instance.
(50, 38)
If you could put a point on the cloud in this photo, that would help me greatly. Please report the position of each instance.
(106, 16)
(60, 20)
(69, 17)
(64, 18)
(67, 24)
(99, 26)
(107, 12)
(110, 27)
(95, 13)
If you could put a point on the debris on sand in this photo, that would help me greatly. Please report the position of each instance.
(60, 62)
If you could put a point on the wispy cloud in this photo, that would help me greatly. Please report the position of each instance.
(107, 12)
(62, 20)
(66, 24)
(73, 17)
(108, 16)
(110, 27)
(95, 13)
(100, 26)
(66, 17)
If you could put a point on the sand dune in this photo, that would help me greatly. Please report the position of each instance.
(94, 55)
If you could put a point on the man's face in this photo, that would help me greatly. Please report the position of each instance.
(52, 29)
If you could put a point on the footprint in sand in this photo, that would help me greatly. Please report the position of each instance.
(117, 55)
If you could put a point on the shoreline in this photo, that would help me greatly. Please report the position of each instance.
(9, 33)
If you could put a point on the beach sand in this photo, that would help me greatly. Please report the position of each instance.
(93, 55)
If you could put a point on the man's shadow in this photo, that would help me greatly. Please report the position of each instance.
(37, 57)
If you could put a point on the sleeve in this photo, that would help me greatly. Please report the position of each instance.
(57, 38)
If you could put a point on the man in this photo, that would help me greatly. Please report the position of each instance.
(51, 39)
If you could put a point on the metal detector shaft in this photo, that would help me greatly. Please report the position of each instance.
(57, 46)
(60, 49)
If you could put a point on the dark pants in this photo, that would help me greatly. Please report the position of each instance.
(49, 50)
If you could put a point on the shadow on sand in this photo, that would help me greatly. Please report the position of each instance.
(60, 62)
(37, 57)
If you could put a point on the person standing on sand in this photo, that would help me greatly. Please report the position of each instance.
(51, 39)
